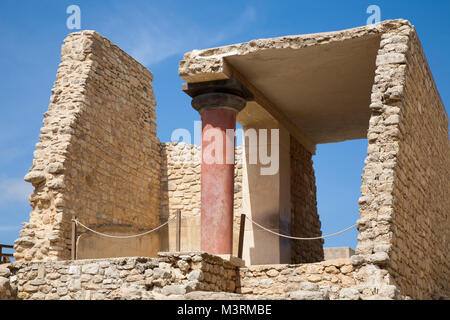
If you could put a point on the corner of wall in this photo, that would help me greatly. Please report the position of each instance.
(98, 155)
(407, 127)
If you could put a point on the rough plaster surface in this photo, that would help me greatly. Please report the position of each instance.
(315, 81)
(404, 208)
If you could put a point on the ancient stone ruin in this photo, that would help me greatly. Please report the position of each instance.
(98, 159)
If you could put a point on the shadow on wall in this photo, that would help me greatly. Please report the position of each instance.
(92, 246)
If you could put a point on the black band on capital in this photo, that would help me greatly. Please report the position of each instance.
(218, 100)
(227, 93)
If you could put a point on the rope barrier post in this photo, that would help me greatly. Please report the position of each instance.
(241, 236)
(74, 238)
(178, 245)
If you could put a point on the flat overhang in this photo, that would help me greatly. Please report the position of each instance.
(318, 85)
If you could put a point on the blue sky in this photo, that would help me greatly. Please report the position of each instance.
(157, 33)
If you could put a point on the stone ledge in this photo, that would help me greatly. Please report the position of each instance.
(208, 64)
(238, 262)
(169, 274)
(183, 276)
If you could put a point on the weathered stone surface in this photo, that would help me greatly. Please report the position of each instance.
(308, 286)
(34, 177)
(173, 289)
(390, 58)
(159, 273)
(5, 289)
(4, 271)
(195, 275)
(349, 294)
(90, 268)
(305, 219)
(298, 278)
(306, 295)
(143, 278)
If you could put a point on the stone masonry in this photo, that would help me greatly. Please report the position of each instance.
(420, 264)
(277, 280)
(98, 156)
(118, 278)
(183, 275)
(404, 208)
(304, 218)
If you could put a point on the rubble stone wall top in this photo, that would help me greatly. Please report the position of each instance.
(135, 278)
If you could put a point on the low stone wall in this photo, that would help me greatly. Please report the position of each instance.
(118, 278)
(281, 279)
(7, 292)
(189, 275)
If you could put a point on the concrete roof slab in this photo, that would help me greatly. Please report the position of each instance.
(317, 85)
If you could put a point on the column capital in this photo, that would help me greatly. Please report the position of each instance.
(226, 94)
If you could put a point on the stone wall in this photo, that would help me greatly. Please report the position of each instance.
(180, 189)
(119, 278)
(98, 157)
(404, 223)
(304, 217)
(182, 275)
(420, 265)
(326, 278)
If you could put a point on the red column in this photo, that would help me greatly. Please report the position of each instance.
(217, 181)
(218, 102)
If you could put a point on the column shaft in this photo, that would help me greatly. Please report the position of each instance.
(217, 181)
(218, 102)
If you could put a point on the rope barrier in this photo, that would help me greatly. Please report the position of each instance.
(254, 222)
(123, 237)
(298, 238)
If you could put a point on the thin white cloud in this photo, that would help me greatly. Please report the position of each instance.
(14, 189)
(151, 36)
